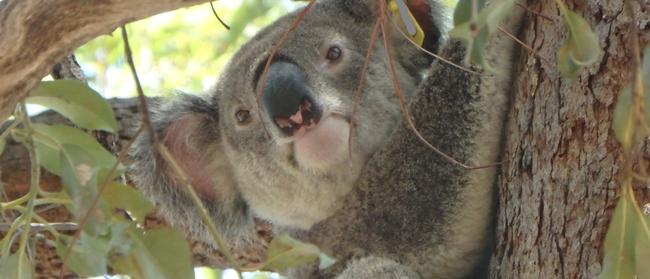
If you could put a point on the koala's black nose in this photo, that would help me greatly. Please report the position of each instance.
(287, 99)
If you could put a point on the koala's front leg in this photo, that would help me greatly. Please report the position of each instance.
(377, 267)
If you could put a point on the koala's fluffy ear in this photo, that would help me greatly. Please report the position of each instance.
(431, 15)
(189, 127)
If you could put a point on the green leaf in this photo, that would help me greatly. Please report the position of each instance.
(642, 240)
(581, 48)
(9, 269)
(76, 101)
(3, 144)
(161, 253)
(623, 122)
(463, 10)
(567, 66)
(79, 180)
(646, 82)
(122, 196)
(477, 32)
(127, 264)
(88, 257)
(646, 66)
(51, 139)
(642, 246)
(285, 252)
(618, 261)
(170, 252)
(325, 261)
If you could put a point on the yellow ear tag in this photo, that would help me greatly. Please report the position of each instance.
(406, 20)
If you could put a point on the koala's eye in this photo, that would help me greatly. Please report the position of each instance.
(334, 53)
(243, 116)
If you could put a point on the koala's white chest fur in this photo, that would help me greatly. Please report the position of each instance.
(296, 197)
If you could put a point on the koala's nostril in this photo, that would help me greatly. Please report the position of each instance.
(288, 100)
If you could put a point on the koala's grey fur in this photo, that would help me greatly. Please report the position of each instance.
(395, 209)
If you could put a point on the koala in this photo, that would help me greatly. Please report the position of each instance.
(284, 145)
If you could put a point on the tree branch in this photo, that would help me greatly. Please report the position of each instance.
(37, 34)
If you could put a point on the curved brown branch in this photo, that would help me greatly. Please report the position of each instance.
(37, 34)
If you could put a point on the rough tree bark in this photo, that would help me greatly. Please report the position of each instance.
(560, 182)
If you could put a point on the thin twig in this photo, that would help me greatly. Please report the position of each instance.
(178, 171)
(402, 100)
(86, 217)
(436, 56)
(524, 45)
(534, 12)
(362, 79)
(265, 73)
(35, 178)
(217, 16)
(41, 227)
(146, 121)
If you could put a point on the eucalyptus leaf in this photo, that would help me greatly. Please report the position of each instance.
(475, 32)
(79, 180)
(3, 144)
(463, 11)
(325, 261)
(642, 246)
(567, 66)
(50, 140)
(642, 239)
(646, 82)
(161, 253)
(127, 264)
(76, 101)
(581, 48)
(623, 122)
(118, 195)
(9, 269)
(618, 261)
(88, 256)
(586, 48)
(285, 252)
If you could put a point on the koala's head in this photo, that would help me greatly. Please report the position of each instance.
(284, 154)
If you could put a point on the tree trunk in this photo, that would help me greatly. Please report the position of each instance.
(561, 180)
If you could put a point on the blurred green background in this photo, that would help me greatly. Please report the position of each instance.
(179, 50)
(182, 50)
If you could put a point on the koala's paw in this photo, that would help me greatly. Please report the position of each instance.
(376, 267)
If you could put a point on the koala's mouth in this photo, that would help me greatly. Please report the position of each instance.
(322, 145)
(306, 117)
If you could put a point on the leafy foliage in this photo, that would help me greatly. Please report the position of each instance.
(581, 48)
(107, 237)
(285, 252)
(80, 103)
(627, 245)
(474, 22)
